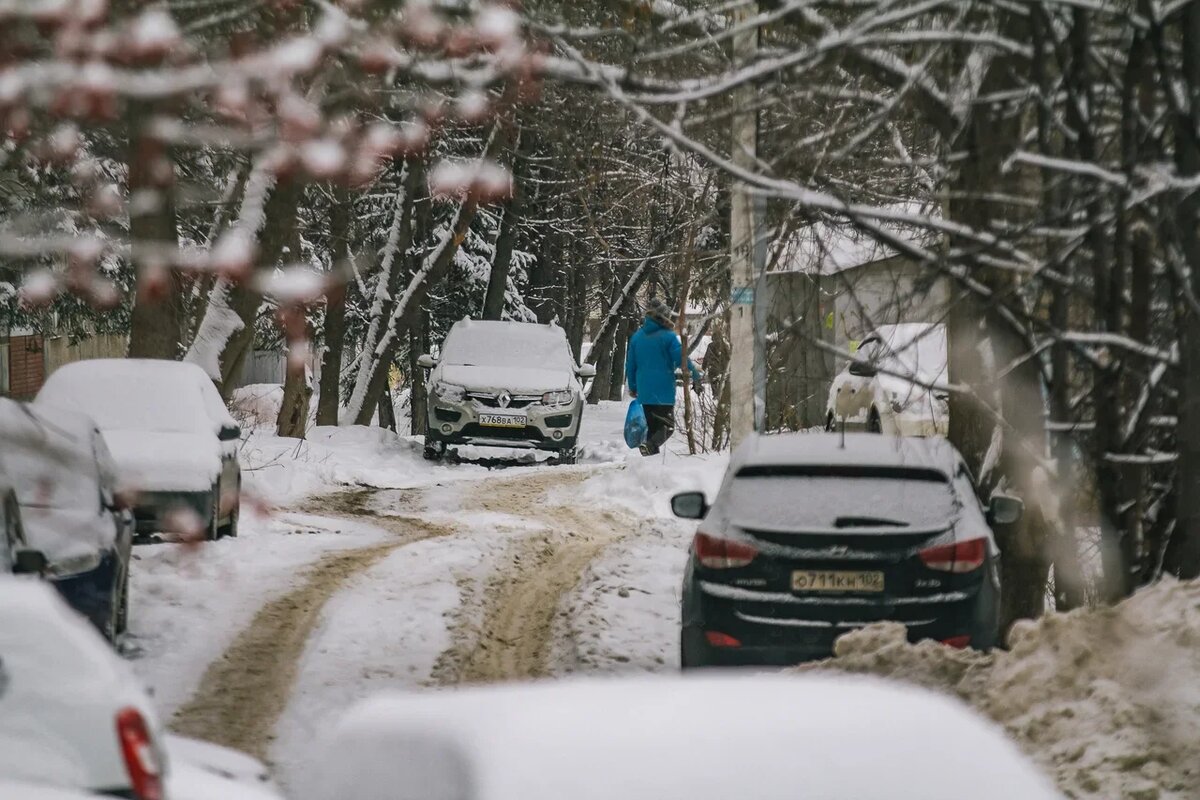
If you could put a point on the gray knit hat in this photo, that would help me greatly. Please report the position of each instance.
(660, 312)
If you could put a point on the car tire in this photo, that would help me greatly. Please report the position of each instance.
(214, 523)
(693, 653)
(434, 450)
(568, 456)
(122, 621)
(230, 528)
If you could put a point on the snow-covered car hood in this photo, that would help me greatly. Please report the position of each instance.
(519, 380)
(151, 461)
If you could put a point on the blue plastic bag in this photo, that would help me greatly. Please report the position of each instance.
(635, 425)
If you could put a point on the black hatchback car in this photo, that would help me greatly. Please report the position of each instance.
(815, 535)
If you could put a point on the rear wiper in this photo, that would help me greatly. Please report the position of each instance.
(868, 522)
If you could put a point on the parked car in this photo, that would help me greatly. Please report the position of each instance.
(72, 715)
(173, 440)
(64, 481)
(885, 388)
(761, 737)
(20, 790)
(505, 384)
(814, 535)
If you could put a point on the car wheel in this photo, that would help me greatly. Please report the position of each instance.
(214, 522)
(692, 651)
(568, 456)
(874, 423)
(231, 528)
(122, 623)
(434, 451)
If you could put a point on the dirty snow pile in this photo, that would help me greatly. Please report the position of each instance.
(1107, 700)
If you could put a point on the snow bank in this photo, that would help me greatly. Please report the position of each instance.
(258, 404)
(1107, 700)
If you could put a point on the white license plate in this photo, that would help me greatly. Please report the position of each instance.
(836, 581)
(503, 420)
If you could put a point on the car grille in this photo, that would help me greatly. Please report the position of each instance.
(493, 400)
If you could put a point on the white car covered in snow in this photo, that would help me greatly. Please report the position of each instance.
(886, 387)
(505, 384)
(173, 440)
(73, 716)
(713, 738)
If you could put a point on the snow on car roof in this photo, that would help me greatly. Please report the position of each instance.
(137, 394)
(506, 344)
(850, 449)
(708, 738)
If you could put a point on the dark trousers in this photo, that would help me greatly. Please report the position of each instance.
(660, 424)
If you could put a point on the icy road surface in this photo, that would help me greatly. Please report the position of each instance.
(381, 571)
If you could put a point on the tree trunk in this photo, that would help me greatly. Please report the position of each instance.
(329, 399)
(616, 384)
(497, 288)
(418, 398)
(1183, 554)
(226, 334)
(387, 411)
(292, 422)
(155, 323)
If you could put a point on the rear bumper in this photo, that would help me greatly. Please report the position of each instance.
(153, 508)
(782, 629)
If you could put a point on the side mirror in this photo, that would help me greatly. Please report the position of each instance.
(229, 433)
(863, 370)
(1005, 510)
(689, 505)
(29, 562)
(586, 371)
(426, 361)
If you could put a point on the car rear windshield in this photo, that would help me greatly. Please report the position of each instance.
(148, 400)
(841, 498)
(513, 345)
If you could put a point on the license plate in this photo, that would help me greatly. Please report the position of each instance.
(503, 420)
(836, 581)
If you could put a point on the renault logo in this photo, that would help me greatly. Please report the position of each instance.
(504, 399)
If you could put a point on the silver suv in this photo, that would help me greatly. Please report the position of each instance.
(505, 384)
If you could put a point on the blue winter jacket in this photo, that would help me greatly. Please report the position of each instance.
(654, 355)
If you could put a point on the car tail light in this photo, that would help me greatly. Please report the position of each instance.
(955, 557)
(718, 639)
(716, 553)
(959, 642)
(145, 775)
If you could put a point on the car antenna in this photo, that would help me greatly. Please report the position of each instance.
(842, 444)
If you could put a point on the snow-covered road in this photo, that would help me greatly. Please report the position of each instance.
(383, 572)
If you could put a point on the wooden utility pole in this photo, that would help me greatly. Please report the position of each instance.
(742, 240)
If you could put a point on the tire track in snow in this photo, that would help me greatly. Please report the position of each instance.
(243, 693)
(522, 598)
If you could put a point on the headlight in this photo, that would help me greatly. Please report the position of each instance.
(558, 399)
(449, 392)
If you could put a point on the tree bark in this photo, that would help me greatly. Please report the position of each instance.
(616, 384)
(156, 321)
(1183, 553)
(497, 288)
(418, 398)
(329, 399)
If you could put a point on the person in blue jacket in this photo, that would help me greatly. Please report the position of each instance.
(654, 354)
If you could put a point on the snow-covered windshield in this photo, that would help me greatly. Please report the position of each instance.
(840, 499)
(912, 349)
(507, 344)
(130, 395)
